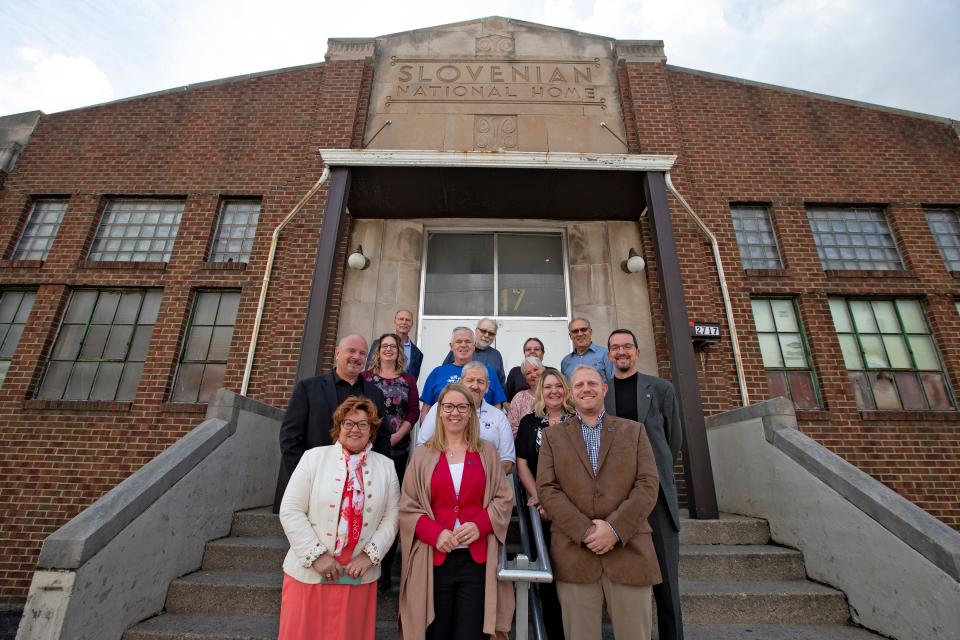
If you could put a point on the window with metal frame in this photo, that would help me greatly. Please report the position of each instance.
(236, 230)
(786, 357)
(101, 346)
(854, 239)
(40, 230)
(495, 274)
(206, 346)
(945, 227)
(890, 355)
(756, 238)
(15, 308)
(137, 231)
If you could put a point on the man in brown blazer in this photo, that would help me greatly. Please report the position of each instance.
(597, 482)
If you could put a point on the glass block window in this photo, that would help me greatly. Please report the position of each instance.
(854, 239)
(890, 355)
(137, 231)
(786, 357)
(755, 237)
(101, 345)
(945, 227)
(235, 231)
(15, 308)
(206, 347)
(40, 230)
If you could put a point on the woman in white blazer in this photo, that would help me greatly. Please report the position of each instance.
(340, 514)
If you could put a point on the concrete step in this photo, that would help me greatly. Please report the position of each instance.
(201, 627)
(769, 632)
(243, 593)
(704, 602)
(247, 593)
(740, 562)
(761, 602)
(697, 562)
(205, 627)
(728, 529)
(243, 553)
(260, 523)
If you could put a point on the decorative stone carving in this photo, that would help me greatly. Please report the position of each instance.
(495, 133)
(640, 51)
(495, 45)
(350, 49)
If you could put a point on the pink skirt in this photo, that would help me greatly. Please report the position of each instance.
(327, 611)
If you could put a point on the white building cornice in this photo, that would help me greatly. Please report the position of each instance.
(496, 160)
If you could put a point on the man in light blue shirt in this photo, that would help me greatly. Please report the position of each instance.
(585, 352)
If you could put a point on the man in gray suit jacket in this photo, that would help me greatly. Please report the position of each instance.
(652, 401)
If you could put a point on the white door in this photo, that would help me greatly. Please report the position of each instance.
(518, 279)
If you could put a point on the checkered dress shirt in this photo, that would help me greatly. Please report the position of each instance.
(591, 437)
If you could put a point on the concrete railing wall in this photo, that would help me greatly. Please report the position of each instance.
(109, 567)
(898, 565)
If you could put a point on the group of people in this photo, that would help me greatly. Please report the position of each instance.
(593, 445)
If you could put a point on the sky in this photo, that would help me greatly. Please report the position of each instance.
(59, 55)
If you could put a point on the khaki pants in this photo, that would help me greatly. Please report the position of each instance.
(630, 609)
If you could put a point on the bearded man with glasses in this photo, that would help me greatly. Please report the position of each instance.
(652, 401)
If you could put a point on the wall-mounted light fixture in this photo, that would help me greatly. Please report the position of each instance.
(634, 262)
(357, 260)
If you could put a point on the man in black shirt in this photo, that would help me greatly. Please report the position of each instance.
(309, 416)
(652, 401)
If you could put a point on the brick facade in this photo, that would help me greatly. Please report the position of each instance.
(258, 137)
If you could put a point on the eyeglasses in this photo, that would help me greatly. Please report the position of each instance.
(449, 407)
(388, 347)
(622, 347)
(349, 425)
(580, 330)
(487, 332)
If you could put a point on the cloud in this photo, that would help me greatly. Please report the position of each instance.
(51, 82)
(891, 53)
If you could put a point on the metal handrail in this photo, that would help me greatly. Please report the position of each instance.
(523, 572)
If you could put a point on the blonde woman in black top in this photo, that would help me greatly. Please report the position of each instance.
(552, 405)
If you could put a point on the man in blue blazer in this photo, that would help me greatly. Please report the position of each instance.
(402, 323)
(653, 402)
(309, 415)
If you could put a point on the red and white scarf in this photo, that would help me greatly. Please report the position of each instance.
(351, 507)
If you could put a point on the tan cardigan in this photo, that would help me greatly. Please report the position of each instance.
(416, 578)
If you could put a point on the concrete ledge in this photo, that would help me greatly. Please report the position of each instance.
(110, 566)
(898, 565)
(75, 542)
(930, 537)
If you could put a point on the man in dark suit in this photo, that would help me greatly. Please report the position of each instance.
(597, 482)
(652, 401)
(309, 415)
(402, 323)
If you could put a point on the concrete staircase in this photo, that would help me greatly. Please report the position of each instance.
(734, 584)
